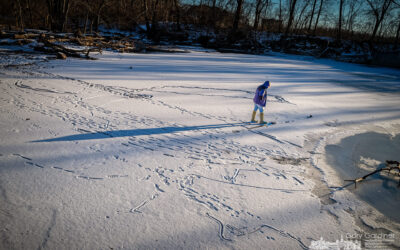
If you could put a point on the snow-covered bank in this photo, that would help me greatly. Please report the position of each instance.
(150, 151)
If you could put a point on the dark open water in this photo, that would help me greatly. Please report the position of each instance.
(380, 190)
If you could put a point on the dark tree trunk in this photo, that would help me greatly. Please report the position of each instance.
(291, 16)
(280, 16)
(154, 19)
(119, 14)
(91, 25)
(257, 14)
(214, 3)
(350, 18)
(58, 11)
(318, 15)
(30, 12)
(146, 16)
(376, 26)
(86, 22)
(20, 21)
(396, 43)
(96, 22)
(178, 14)
(379, 15)
(237, 16)
(312, 15)
(98, 15)
(298, 20)
(339, 34)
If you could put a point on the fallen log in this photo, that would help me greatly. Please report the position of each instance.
(55, 43)
(390, 165)
(58, 48)
(61, 56)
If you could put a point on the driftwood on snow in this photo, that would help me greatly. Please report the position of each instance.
(390, 166)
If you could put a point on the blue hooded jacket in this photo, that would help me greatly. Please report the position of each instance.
(260, 96)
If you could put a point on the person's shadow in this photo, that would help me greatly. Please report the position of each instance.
(137, 132)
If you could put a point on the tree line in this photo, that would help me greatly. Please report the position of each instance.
(368, 20)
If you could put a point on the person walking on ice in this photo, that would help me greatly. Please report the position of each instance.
(260, 100)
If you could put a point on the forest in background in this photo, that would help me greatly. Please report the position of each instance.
(331, 27)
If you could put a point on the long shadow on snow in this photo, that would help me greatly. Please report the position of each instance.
(138, 132)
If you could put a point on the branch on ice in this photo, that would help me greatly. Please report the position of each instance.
(390, 165)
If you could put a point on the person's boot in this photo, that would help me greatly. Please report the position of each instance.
(262, 118)
(253, 117)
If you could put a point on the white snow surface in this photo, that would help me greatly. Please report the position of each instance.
(149, 151)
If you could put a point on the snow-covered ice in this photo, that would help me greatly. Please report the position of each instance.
(150, 151)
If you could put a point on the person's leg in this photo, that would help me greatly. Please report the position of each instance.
(253, 116)
(261, 114)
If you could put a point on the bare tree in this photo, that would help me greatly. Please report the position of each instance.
(178, 14)
(154, 19)
(260, 5)
(18, 14)
(339, 32)
(299, 23)
(280, 16)
(94, 9)
(237, 15)
(98, 9)
(213, 13)
(379, 9)
(312, 15)
(58, 13)
(146, 14)
(398, 26)
(29, 7)
(397, 19)
(351, 15)
(321, 3)
(291, 15)
(150, 9)
(397, 33)
(348, 17)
